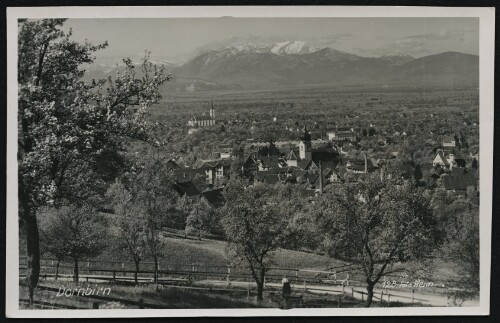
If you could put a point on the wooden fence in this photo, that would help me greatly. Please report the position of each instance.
(380, 296)
(176, 272)
(189, 275)
(345, 274)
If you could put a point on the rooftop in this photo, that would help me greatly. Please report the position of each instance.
(459, 182)
(187, 188)
(214, 197)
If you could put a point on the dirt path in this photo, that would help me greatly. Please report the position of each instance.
(392, 295)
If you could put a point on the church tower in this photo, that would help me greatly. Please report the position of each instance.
(305, 147)
(212, 110)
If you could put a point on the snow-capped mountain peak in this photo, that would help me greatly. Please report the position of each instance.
(290, 47)
(280, 48)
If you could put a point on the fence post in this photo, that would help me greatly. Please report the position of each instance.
(412, 296)
(114, 276)
(141, 303)
(381, 297)
(343, 289)
(352, 292)
(95, 305)
(305, 285)
(389, 299)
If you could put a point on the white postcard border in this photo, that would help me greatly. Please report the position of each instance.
(486, 95)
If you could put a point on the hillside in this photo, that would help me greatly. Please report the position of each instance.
(450, 67)
(213, 253)
(287, 64)
(259, 69)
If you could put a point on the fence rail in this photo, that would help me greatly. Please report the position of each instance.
(176, 274)
(191, 275)
(389, 295)
(122, 264)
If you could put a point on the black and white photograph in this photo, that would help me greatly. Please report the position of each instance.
(249, 161)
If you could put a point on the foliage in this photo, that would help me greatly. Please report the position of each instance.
(184, 207)
(71, 134)
(129, 227)
(462, 246)
(375, 223)
(204, 220)
(73, 232)
(254, 225)
(153, 193)
(294, 203)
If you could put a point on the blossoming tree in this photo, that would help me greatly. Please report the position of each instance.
(71, 134)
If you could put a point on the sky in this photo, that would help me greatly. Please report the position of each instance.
(182, 38)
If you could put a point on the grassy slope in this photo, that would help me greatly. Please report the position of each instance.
(212, 253)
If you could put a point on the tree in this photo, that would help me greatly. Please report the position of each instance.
(75, 231)
(375, 223)
(203, 220)
(155, 196)
(462, 249)
(52, 242)
(71, 134)
(254, 226)
(129, 227)
(294, 204)
(194, 222)
(184, 208)
(458, 226)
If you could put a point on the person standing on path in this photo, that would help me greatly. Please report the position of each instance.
(286, 287)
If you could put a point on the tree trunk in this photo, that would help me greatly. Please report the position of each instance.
(260, 283)
(260, 289)
(136, 271)
(57, 269)
(155, 278)
(28, 215)
(75, 272)
(369, 298)
(33, 251)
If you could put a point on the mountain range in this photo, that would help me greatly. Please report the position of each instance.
(293, 63)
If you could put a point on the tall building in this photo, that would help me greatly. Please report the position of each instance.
(305, 147)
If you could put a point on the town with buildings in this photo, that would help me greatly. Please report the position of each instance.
(315, 164)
